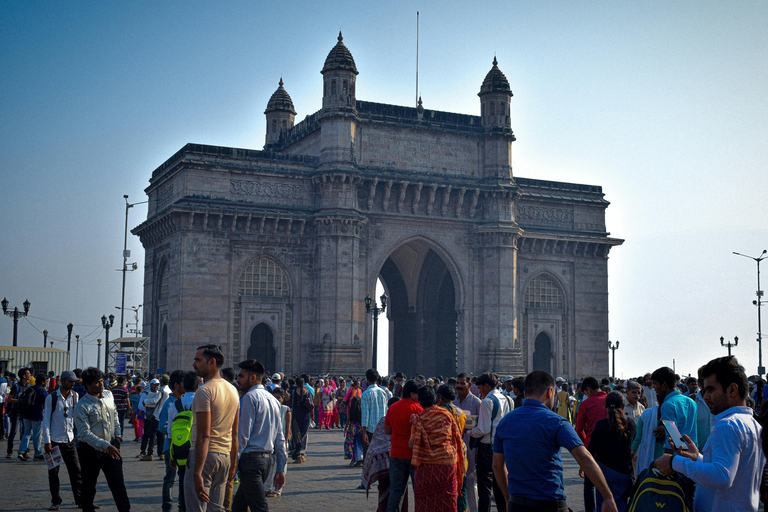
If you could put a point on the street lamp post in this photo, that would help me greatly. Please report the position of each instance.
(374, 311)
(758, 303)
(69, 342)
(45, 338)
(126, 255)
(613, 356)
(98, 356)
(106, 324)
(77, 347)
(15, 314)
(729, 344)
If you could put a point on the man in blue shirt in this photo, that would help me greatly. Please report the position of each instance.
(674, 406)
(527, 453)
(33, 420)
(728, 472)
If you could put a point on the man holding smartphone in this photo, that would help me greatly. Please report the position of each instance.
(728, 472)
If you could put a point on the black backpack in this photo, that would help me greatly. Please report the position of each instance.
(27, 401)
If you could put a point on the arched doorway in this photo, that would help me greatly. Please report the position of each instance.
(262, 346)
(542, 353)
(422, 311)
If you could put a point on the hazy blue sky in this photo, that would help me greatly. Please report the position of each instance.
(664, 104)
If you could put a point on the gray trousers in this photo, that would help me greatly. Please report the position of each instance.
(215, 472)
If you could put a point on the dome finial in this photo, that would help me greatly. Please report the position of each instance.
(495, 62)
(281, 81)
(341, 38)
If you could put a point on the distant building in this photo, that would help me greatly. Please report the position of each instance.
(271, 253)
(38, 360)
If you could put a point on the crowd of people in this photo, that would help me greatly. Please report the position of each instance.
(464, 442)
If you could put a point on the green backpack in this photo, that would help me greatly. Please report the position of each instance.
(180, 435)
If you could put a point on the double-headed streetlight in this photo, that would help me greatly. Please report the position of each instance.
(133, 266)
(729, 344)
(15, 314)
(613, 348)
(374, 310)
(106, 324)
(758, 303)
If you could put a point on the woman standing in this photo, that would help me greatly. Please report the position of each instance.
(376, 465)
(611, 447)
(446, 396)
(327, 400)
(303, 412)
(353, 434)
(437, 456)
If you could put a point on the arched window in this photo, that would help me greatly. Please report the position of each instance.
(344, 87)
(543, 292)
(263, 278)
(333, 87)
(274, 125)
(493, 109)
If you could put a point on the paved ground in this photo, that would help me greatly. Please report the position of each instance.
(324, 482)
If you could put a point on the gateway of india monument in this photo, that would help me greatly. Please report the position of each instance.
(271, 253)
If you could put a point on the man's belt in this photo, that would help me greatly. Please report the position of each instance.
(254, 455)
(553, 505)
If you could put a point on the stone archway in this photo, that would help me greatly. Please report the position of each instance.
(542, 353)
(422, 311)
(262, 347)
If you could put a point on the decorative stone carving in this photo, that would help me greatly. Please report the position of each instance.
(266, 188)
(541, 216)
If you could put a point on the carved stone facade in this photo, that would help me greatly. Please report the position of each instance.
(271, 253)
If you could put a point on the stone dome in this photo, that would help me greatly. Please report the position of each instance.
(495, 81)
(280, 101)
(339, 58)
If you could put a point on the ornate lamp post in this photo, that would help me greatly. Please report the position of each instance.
(77, 347)
(729, 344)
(45, 338)
(98, 356)
(758, 303)
(374, 311)
(613, 356)
(69, 341)
(106, 325)
(15, 314)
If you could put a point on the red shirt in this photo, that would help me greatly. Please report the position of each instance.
(591, 411)
(398, 418)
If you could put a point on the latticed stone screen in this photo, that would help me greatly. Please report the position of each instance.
(165, 279)
(543, 292)
(264, 279)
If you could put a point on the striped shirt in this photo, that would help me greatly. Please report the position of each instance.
(374, 402)
(121, 397)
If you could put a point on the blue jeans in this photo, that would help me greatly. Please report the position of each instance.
(399, 470)
(168, 481)
(34, 429)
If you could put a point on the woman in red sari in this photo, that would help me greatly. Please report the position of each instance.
(437, 456)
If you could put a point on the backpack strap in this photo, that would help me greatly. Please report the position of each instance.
(179, 406)
(54, 403)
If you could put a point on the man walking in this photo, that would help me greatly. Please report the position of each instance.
(149, 402)
(590, 412)
(176, 383)
(59, 431)
(471, 404)
(13, 401)
(728, 472)
(31, 403)
(527, 453)
(674, 406)
(98, 431)
(211, 462)
(492, 409)
(374, 403)
(397, 425)
(260, 438)
(122, 400)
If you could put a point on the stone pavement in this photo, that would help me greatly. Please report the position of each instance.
(324, 482)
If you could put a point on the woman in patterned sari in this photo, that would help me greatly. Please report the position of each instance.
(353, 433)
(438, 456)
(445, 398)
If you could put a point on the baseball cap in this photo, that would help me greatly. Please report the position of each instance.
(508, 378)
(154, 381)
(276, 376)
(69, 375)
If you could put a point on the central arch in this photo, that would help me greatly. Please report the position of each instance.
(542, 352)
(262, 346)
(423, 304)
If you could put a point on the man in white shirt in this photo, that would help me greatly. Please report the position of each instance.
(494, 407)
(59, 432)
(471, 404)
(633, 409)
(649, 391)
(149, 402)
(729, 471)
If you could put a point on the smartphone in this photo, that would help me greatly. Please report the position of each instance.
(672, 432)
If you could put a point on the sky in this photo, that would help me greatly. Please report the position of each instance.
(661, 103)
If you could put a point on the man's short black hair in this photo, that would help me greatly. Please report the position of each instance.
(91, 375)
(177, 377)
(191, 382)
(489, 379)
(427, 396)
(587, 383)
(538, 382)
(253, 366)
(51, 374)
(399, 375)
(372, 375)
(40, 377)
(727, 371)
(519, 384)
(462, 375)
(691, 379)
(410, 386)
(120, 379)
(228, 373)
(211, 351)
(664, 375)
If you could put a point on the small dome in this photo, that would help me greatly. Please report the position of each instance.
(339, 58)
(495, 81)
(280, 101)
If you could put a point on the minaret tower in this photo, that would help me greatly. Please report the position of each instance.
(280, 115)
(495, 95)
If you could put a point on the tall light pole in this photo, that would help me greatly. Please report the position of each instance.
(729, 344)
(374, 311)
(45, 338)
(126, 255)
(613, 354)
(98, 357)
(69, 342)
(758, 303)
(77, 347)
(15, 314)
(106, 324)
